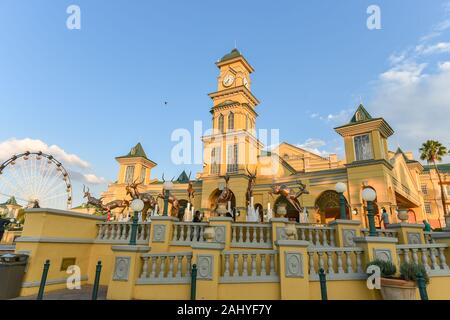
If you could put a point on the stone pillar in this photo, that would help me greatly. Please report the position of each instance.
(378, 248)
(278, 232)
(346, 231)
(293, 264)
(222, 229)
(408, 233)
(207, 258)
(126, 270)
(161, 233)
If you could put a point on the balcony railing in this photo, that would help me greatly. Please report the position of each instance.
(250, 266)
(338, 263)
(166, 268)
(120, 232)
(186, 233)
(431, 256)
(251, 235)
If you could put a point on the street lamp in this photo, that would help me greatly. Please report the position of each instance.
(136, 205)
(340, 189)
(167, 185)
(370, 195)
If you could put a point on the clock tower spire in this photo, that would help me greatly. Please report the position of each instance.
(233, 118)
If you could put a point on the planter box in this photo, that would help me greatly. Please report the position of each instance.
(397, 289)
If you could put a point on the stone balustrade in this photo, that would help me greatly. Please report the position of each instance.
(166, 268)
(251, 235)
(120, 232)
(186, 233)
(250, 266)
(381, 233)
(431, 256)
(338, 263)
(319, 236)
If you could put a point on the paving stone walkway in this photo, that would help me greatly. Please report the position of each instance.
(85, 293)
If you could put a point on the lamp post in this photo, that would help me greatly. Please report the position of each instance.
(340, 189)
(168, 185)
(370, 195)
(136, 205)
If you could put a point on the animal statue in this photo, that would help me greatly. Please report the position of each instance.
(290, 194)
(250, 186)
(92, 200)
(172, 200)
(149, 201)
(226, 193)
(124, 204)
(190, 189)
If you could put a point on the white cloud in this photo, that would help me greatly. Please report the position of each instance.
(314, 145)
(404, 74)
(72, 162)
(417, 106)
(340, 117)
(444, 66)
(441, 47)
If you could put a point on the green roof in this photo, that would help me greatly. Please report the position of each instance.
(136, 152)
(12, 201)
(360, 115)
(233, 54)
(183, 178)
(445, 167)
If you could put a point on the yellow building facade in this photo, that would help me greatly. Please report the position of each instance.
(233, 149)
(236, 259)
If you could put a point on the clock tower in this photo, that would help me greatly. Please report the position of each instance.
(232, 146)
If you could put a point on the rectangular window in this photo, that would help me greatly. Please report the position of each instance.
(363, 149)
(448, 190)
(232, 163)
(424, 189)
(143, 174)
(428, 208)
(129, 174)
(215, 160)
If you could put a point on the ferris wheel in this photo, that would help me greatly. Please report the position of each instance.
(36, 180)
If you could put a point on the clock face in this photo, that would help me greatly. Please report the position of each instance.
(245, 82)
(228, 80)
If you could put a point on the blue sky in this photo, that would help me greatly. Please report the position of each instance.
(96, 92)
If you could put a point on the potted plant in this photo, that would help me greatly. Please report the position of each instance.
(402, 287)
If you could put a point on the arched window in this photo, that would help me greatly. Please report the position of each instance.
(221, 127)
(231, 121)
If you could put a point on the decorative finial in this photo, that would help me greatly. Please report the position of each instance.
(235, 44)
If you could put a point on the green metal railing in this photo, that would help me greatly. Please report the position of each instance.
(40, 295)
(323, 284)
(194, 282)
(98, 271)
(421, 283)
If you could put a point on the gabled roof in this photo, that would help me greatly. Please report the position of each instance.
(362, 121)
(11, 201)
(183, 178)
(361, 114)
(136, 152)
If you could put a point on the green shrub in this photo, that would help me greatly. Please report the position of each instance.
(387, 268)
(409, 271)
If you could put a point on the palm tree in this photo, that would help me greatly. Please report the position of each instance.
(432, 151)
